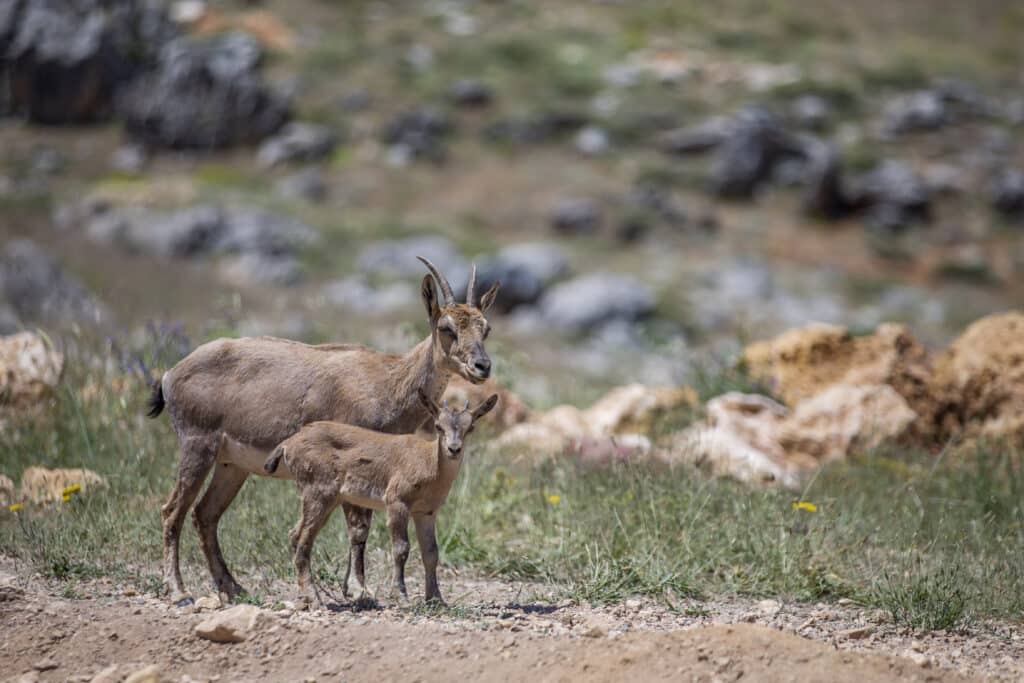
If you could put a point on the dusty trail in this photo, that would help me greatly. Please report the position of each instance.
(496, 632)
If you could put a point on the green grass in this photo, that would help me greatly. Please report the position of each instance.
(937, 544)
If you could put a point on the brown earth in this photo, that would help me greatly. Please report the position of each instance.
(495, 631)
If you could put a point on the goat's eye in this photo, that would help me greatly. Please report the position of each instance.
(449, 332)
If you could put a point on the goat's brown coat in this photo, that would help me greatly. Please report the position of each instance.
(232, 400)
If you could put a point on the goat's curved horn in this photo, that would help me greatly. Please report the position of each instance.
(466, 407)
(471, 288)
(446, 289)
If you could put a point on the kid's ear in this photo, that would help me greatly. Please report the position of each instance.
(430, 299)
(428, 403)
(485, 407)
(489, 296)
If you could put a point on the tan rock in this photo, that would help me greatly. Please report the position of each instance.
(148, 674)
(633, 409)
(844, 419)
(614, 427)
(757, 441)
(804, 362)
(29, 369)
(232, 625)
(723, 454)
(982, 373)
(208, 603)
(42, 485)
(510, 411)
(111, 674)
(7, 495)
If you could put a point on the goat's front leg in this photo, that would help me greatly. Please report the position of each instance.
(358, 521)
(398, 522)
(427, 540)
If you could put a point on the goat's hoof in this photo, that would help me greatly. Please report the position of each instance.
(435, 601)
(230, 592)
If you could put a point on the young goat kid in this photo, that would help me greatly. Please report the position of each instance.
(335, 463)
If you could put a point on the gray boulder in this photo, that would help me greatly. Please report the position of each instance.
(256, 231)
(35, 289)
(1007, 194)
(920, 111)
(525, 271)
(203, 94)
(308, 185)
(358, 295)
(698, 138)
(297, 142)
(262, 268)
(64, 62)
(812, 112)
(264, 245)
(591, 301)
(895, 196)
(470, 92)
(750, 154)
(397, 258)
(418, 134)
(576, 216)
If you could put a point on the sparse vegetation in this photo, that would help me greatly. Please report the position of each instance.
(935, 543)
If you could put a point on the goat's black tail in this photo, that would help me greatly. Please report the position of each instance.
(156, 399)
(270, 466)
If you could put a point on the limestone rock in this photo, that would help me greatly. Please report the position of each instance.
(610, 429)
(43, 485)
(804, 362)
(147, 674)
(983, 374)
(233, 625)
(29, 369)
(845, 418)
(739, 440)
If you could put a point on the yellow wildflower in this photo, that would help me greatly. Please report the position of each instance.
(71, 490)
(554, 500)
(66, 497)
(804, 505)
(16, 507)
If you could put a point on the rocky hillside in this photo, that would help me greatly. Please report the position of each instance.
(652, 184)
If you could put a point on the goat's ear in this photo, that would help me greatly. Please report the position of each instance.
(428, 403)
(489, 296)
(430, 299)
(485, 407)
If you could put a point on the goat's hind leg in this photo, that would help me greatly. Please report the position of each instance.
(198, 452)
(226, 482)
(315, 513)
(358, 521)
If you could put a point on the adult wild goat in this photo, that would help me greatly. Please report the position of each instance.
(404, 474)
(232, 401)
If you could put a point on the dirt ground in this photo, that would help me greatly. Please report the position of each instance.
(494, 631)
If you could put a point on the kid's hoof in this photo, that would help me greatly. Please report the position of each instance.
(180, 599)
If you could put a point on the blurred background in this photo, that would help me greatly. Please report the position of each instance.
(669, 193)
(655, 183)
